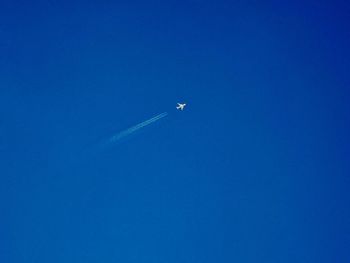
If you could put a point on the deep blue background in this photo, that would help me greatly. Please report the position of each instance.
(256, 169)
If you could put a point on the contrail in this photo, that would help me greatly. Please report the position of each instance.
(115, 138)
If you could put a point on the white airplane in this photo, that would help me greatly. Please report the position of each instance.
(181, 106)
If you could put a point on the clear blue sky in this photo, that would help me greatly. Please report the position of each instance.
(256, 169)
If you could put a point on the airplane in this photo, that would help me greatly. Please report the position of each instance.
(181, 106)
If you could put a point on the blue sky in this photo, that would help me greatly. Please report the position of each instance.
(254, 170)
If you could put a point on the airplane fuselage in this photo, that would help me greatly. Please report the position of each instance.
(181, 106)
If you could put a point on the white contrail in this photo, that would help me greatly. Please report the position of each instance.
(115, 138)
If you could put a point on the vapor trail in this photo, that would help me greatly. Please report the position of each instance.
(115, 138)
